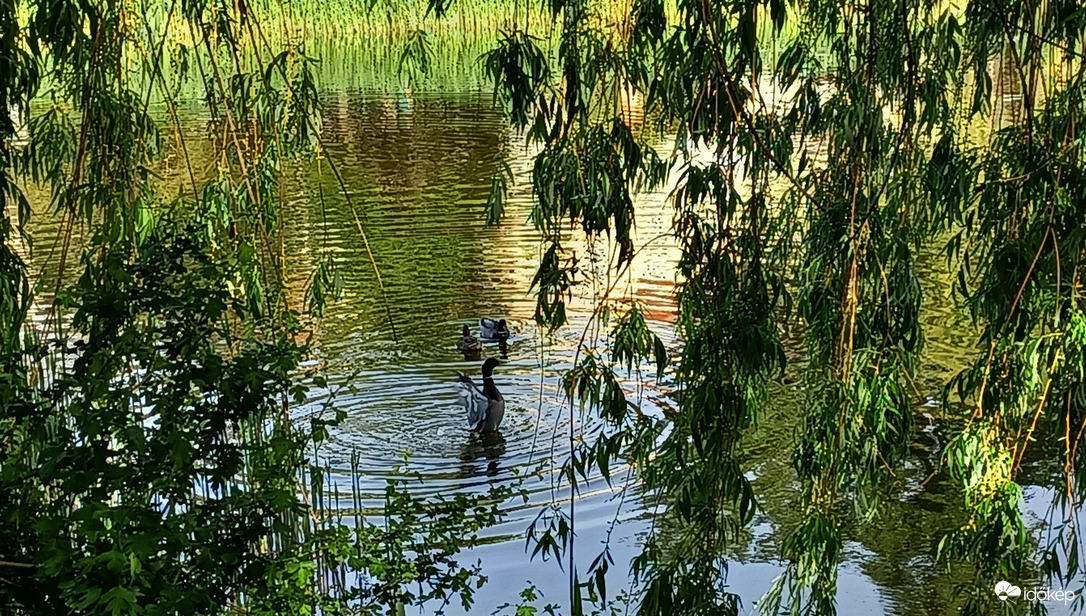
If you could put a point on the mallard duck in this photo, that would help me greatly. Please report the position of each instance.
(468, 344)
(485, 406)
(491, 329)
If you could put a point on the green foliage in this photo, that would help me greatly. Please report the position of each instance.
(861, 117)
(132, 496)
(814, 549)
(1015, 241)
(519, 70)
(526, 606)
(415, 59)
(149, 462)
(411, 558)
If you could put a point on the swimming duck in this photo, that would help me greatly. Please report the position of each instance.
(468, 344)
(485, 406)
(491, 329)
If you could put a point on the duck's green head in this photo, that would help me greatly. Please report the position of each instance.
(464, 332)
(489, 365)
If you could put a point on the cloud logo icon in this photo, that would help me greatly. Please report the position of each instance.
(1005, 589)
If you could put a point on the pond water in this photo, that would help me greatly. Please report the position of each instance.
(417, 169)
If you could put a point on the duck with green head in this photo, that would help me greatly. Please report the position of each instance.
(485, 407)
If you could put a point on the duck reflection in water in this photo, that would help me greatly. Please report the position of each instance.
(488, 446)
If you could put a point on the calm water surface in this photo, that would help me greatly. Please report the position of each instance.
(417, 169)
